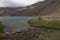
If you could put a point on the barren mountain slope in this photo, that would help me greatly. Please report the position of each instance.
(46, 7)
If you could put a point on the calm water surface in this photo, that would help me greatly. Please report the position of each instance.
(15, 23)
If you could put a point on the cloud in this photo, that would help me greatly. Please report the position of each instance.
(17, 3)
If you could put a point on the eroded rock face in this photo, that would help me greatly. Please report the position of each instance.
(41, 8)
(34, 34)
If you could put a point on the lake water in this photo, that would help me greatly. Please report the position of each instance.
(15, 23)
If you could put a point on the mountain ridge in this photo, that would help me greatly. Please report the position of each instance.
(46, 7)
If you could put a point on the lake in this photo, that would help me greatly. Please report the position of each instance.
(15, 23)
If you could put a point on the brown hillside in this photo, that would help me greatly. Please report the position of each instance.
(47, 7)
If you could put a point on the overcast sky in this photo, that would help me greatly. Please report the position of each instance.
(17, 3)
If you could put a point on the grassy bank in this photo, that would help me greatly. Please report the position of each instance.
(1, 38)
(45, 23)
(1, 30)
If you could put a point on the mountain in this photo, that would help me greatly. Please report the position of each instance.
(47, 7)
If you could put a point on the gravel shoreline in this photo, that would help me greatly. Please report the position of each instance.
(33, 33)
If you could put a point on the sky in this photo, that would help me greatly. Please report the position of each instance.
(17, 3)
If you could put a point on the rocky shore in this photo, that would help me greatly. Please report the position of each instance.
(34, 33)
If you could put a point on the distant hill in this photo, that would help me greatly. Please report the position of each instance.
(47, 7)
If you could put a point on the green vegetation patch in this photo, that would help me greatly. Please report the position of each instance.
(55, 24)
(1, 38)
(1, 30)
